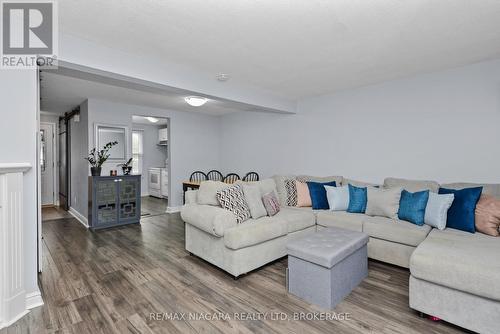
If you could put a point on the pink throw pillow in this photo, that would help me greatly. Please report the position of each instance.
(488, 215)
(303, 196)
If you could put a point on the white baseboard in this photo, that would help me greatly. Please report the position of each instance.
(33, 300)
(82, 219)
(173, 209)
(11, 322)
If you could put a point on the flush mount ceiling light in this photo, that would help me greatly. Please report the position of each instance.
(152, 119)
(195, 101)
(222, 77)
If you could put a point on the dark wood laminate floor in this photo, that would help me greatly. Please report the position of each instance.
(152, 206)
(111, 281)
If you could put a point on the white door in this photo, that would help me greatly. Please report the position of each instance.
(47, 163)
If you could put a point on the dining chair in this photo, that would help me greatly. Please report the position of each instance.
(215, 175)
(231, 178)
(198, 177)
(251, 177)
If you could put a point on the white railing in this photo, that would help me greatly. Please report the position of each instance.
(12, 288)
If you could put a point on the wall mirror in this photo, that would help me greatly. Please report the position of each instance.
(109, 133)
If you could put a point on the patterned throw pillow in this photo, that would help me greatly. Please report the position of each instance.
(233, 199)
(271, 203)
(291, 192)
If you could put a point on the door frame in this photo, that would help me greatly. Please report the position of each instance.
(55, 198)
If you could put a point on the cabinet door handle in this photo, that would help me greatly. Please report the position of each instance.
(120, 180)
(115, 180)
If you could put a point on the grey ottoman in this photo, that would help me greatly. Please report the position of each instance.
(324, 267)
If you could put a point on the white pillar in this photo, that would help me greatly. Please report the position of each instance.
(12, 289)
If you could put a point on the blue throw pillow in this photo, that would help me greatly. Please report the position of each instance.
(412, 206)
(317, 191)
(357, 199)
(461, 214)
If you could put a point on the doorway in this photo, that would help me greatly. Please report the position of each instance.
(48, 164)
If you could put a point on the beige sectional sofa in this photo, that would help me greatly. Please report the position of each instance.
(454, 274)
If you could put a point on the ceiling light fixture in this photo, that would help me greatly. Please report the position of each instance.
(195, 101)
(152, 119)
(222, 77)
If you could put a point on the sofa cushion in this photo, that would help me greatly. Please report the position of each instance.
(266, 186)
(207, 193)
(459, 260)
(411, 185)
(461, 214)
(321, 179)
(436, 211)
(383, 202)
(253, 197)
(488, 215)
(255, 231)
(271, 203)
(398, 231)
(303, 194)
(318, 194)
(412, 206)
(356, 183)
(291, 192)
(341, 219)
(232, 199)
(488, 189)
(338, 198)
(357, 199)
(296, 219)
(279, 180)
(208, 218)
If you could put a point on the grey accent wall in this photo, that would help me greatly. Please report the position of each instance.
(80, 169)
(441, 126)
(154, 155)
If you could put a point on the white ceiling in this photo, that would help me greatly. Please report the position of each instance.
(62, 93)
(295, 48)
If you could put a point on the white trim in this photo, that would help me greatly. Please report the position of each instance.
(33, 300)
(21, 167)
(78, 216)
(12, 321)
(173, 209)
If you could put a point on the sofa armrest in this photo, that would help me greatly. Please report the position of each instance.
(208, 218)
(190, 196)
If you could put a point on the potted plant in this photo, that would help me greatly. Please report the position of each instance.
(97, 158)
(126, 167)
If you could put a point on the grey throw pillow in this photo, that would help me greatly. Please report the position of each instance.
(253, 198)
(233, 199)
(271, 203)
(383, 202)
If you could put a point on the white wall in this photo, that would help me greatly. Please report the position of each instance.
(441, 126)
(18, 131)
(154, 155)
(194, 139)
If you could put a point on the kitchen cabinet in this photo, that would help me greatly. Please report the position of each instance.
(163, 136)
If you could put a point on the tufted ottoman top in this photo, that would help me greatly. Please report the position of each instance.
(327, 247)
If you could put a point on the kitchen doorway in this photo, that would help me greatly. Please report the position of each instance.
(150, 143)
